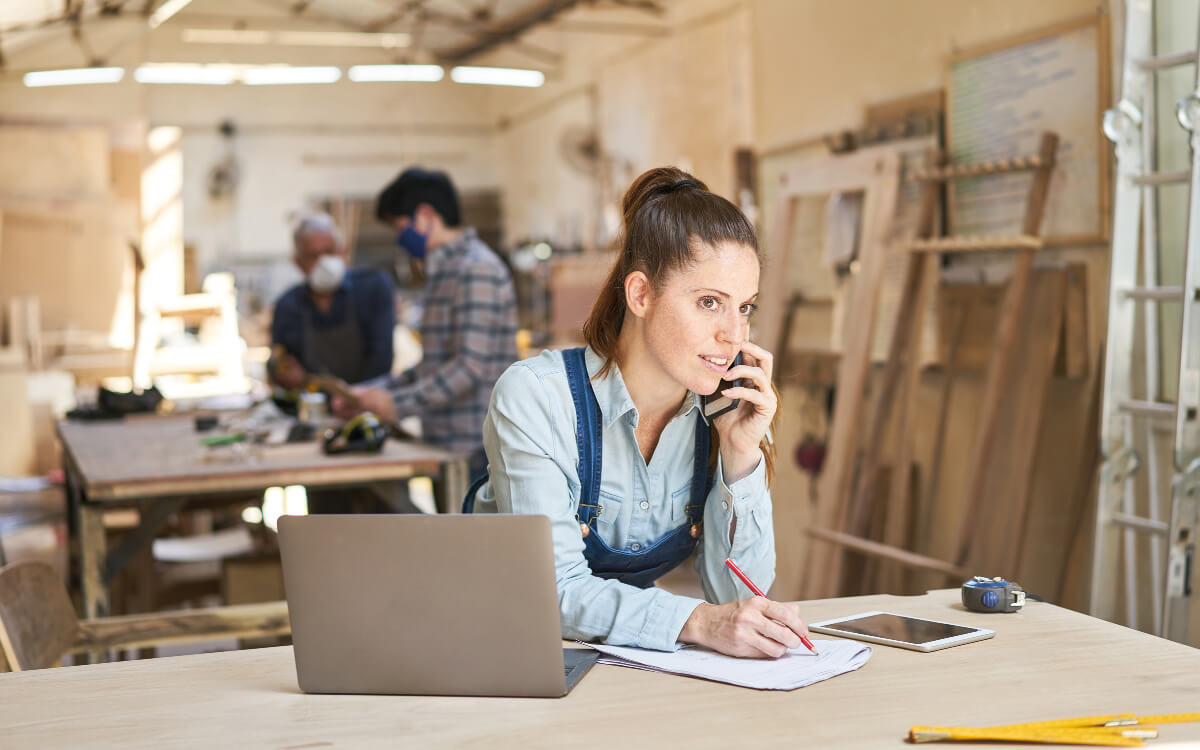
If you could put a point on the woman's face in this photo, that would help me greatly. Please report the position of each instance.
(697, 321)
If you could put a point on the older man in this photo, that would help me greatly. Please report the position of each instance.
(338, 321)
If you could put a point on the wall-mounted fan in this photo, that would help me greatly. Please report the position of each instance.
(222, 178)
(580, 148)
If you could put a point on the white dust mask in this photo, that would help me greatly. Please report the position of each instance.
(327, 275)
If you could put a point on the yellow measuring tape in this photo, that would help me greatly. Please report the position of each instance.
(1111, 730)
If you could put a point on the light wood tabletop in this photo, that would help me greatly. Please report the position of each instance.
(1044, 663)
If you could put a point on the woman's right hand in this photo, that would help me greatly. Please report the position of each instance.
(756, 627)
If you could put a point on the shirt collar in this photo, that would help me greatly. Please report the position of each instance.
(612, 396)
(467, 236)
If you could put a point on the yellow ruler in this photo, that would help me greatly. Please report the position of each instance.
(1111, 730)
(1168, 718)
(1102, 736)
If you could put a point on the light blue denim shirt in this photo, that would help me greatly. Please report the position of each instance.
(529, 436)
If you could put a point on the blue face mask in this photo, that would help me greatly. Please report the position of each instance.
(412, 241)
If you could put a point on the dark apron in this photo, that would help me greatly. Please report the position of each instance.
(639, 568)
(335, 350)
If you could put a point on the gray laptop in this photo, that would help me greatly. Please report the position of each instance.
(426, 605)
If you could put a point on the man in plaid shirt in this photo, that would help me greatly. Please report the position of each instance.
(468, 324)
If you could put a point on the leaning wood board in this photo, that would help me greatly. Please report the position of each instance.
(874, 172)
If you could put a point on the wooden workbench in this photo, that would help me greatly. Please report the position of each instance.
(1045, 662)
(157, 463)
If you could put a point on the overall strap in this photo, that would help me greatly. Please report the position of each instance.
(588, 437)
(702, 479)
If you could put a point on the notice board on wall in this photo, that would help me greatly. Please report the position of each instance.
(1001, 98)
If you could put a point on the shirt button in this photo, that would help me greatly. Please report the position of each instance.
(644, 505)
(635, 546)
(724, 505)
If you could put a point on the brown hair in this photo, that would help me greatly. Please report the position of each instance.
(667, 215)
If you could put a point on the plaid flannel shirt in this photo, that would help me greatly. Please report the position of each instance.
(468, 338)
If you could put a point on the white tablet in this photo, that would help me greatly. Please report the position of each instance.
(901, 630)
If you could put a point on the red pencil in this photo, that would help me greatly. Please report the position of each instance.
(758, 592)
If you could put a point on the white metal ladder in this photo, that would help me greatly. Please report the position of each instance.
(1127, 418)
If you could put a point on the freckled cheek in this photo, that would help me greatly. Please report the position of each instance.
(676, 335)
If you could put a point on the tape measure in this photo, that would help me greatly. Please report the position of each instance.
(981, 594)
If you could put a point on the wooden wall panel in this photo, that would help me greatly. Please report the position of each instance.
(72, 255)
(52, 160)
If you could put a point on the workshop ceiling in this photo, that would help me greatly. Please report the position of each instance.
(435, 31)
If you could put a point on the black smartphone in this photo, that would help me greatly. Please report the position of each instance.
(716, 404)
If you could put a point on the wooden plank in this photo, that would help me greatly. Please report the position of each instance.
(872, 491)
(184, 626)
(903, 362)
(976, 244)
(93, 552)
(898, 499)
(16, 328)
(974, 328)
(888, 576)
(126, 167)
(815, 178)
(72, 256)
(1073, 359)
(1001, 365)
(17, 439)
(876, 171)
(36, 618)
(54, 161)
(32, 320)
(1075, 562)
(903, 556)
(903, 358)
(251, 579)
(993, 543)
(575, 283)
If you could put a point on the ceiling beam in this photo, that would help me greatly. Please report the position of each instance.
(608, 27)
(507, 29)
(405, 9)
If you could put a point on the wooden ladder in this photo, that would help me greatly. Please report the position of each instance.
(844, 516)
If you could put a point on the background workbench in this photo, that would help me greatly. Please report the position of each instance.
(158, 463)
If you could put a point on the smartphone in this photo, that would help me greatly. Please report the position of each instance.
(714, 403)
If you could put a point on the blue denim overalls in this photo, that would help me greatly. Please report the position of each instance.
(639, 568)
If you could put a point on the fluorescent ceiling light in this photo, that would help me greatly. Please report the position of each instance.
(226, 36)
(186, 73)
(265, 75)
(298, 38)
(73, 76)
(498, 76)
(165, 11)
(341, 39)
(365, 73)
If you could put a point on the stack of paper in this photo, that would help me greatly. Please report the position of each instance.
(796, 669)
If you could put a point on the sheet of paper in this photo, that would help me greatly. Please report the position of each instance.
(798, 668)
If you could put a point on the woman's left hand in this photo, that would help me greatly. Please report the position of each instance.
(743, 428)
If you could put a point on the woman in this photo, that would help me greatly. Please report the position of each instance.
(610, 441)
